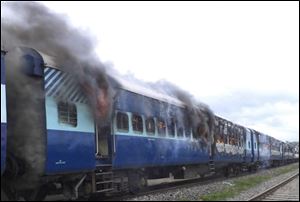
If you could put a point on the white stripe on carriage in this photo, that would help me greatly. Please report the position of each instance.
(58, 84)
(50, 73)
(52, 79)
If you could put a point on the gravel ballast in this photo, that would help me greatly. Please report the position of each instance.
(195, 192)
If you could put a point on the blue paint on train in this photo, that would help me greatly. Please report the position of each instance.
(70, 147)
(229, 158)
(70, 151)
(264, 148)
(143, 151)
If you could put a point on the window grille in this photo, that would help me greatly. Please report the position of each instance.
(150, 126)
(67, 113)
(122, 121)
(137, 123)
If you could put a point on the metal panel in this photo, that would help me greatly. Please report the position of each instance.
(69, 151)
(134, 151)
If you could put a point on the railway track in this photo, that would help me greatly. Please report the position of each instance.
(161, 188)
(167, 187)
(164, 187)
(286, 190)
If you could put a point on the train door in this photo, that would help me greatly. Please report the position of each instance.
(3, 113)
(249, 151)
(103, 140)
(255, 146)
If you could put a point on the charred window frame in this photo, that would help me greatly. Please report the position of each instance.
(67, 113)
(180, 132)
(137, 123)
(221, 132)
(188, 132)
(161, 127)
(225, 132)
(171, 127)
(122, 122)
(150, 126)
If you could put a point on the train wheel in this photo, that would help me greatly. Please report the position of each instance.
(137, 182)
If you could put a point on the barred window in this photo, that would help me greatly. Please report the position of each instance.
(171, 127)
(180, 132)
(122, 121)
(161, 126)
(188, 131)
(67, 113)
(150, 126)
(137, 123)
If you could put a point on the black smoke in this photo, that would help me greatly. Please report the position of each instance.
(30, 24)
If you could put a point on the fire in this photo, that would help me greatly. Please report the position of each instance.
(98, 98)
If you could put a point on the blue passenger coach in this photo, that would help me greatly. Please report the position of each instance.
(151, 131)
(56, 143)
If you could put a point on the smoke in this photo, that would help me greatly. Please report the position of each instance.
(33, 25)
(200, 116)
(30, 24)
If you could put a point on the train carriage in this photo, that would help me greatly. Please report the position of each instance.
(276, 151)
(264, 150)
(56, 143)
(52, 139)
(230, 146)
(152, 135)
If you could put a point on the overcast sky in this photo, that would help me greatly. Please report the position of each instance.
(241, 58)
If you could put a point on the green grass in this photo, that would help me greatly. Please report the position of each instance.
(244, 184)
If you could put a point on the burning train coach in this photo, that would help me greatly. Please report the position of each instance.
(104, 135)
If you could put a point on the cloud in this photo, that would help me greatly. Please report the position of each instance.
(276, 114)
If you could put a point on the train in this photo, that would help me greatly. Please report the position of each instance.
(52, 142)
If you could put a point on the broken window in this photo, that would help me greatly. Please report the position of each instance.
(188, 132)
(150, 126)
(161, 127)
(122, 121)
(171, 127)
(67, 113)
(137, 123)
(180, 132)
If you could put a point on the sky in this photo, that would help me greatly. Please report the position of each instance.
(240, 58)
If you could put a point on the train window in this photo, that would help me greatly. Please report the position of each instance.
(187, 132)
(150, 126)
(122, 121)
(249, 145)
(255, 145)
(220, 139)
(137, 123)
(161, 127)
(225, 129)
(67, 113)
(171, 128)
(180, 132)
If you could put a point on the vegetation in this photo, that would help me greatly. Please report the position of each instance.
(246, 183)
